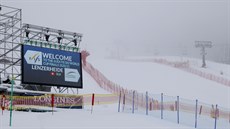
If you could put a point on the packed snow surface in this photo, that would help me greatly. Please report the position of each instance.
(141, 76)
(103, 117)
(157, 78)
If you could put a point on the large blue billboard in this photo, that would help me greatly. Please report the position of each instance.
(45, 66)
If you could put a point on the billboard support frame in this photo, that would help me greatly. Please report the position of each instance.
(10, 39)
(13, 33)
(39, 36)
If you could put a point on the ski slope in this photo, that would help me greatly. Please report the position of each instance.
(156, 78)
(211, 67)
(103, 117)
(90, 86)
(141, 76)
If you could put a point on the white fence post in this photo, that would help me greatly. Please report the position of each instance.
(147, 103)
(133, 102)
(162, 106)
(119, 103)
(178, 110)
(196, 113)
(216, 116)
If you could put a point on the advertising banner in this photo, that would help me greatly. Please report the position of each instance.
(45, 66)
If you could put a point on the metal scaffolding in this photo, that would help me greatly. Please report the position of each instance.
(10, 39)
(50, 38)
(13, 34)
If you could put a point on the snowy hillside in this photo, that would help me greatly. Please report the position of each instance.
(156, 78)
(90, 86)
(141, 76)
(103, 117)
(212, 67)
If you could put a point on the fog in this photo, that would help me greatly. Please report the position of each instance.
(137, 27)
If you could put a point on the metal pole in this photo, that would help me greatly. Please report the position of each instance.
(119, 103)
(162, 105)
(178, 111)
(215, 117)
(11, 100)
(147, 103)
(5, 31)
(203, 56)
(123, 108)
(196, 113)
(12, 45)
(133, 101)
(137, 102)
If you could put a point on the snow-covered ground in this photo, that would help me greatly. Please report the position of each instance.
(211, 67)
(141, 76)
(103, 117)
(156, 78)
(90, 86)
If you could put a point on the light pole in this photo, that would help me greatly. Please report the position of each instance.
(203, 45)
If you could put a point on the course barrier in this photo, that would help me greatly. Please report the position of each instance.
(173, 108)
(184, 65)
(59, 100)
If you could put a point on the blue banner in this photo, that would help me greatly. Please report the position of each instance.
(45, 66)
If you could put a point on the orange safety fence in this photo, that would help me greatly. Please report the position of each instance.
(186, 67)
(155, 104)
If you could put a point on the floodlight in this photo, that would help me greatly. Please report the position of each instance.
(75, 40)
(27, 33)
(47, 35)
(5, 61)
(59, 37)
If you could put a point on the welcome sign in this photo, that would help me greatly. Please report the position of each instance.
(45, 66)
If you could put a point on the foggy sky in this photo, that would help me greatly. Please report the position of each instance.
(136, 27)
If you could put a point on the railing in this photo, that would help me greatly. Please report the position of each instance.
(173, 108)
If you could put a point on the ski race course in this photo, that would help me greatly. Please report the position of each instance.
(190, 87)
(126, 82)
